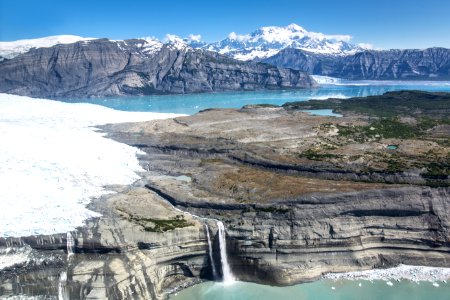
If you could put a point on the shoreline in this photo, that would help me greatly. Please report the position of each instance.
(401, 272)
(413, 274)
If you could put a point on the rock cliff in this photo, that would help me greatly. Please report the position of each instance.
(121, 255)
(409, 64)
(107, 68)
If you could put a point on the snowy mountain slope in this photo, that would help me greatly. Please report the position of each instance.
(145, 45)
(268, 41)
(260, 44)
(12, 49)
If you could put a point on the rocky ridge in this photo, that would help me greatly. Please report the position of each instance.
(409, 64)
(136, 67)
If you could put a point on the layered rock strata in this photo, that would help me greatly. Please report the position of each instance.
(109, 68)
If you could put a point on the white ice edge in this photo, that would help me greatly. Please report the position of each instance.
(408, 272)
(326, 80)
(53, 162)
(10, 257)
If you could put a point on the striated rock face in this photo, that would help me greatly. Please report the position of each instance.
(297, 241)
(115, 256)
(364, 230)
(107, 68)
(431, 64)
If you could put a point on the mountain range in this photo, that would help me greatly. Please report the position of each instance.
(407, 64)
(261, 43)
(268, 58)
(102, 67)
(268, 41)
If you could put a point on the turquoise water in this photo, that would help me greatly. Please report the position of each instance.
(192, 103)
(322, 112)
(392, 147)
(319, 290)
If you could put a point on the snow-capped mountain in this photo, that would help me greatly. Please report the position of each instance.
(268, 41)
(146, 45)
(260, 44)
(12, 49)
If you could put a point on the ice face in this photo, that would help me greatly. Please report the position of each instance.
(52, 162)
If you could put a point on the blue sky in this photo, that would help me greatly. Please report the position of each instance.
(385, 24)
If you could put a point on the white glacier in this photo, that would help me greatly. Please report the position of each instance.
(52, 162)
(327, 80)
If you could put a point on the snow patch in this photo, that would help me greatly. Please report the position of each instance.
(257, 53)
(175, 42)
(151, 45)
(12, 49)
(52, 162)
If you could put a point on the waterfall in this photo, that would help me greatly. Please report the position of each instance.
(70, 244)
(213, 265)
(226, 271)
(62, 286)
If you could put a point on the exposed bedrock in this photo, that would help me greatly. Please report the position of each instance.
(108, 68)
(290, 243)
(121, 255)
(408, 64)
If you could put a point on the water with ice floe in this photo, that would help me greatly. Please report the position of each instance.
(192, 103)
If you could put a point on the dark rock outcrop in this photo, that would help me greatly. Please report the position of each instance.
(412, 64)
(106, 68)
